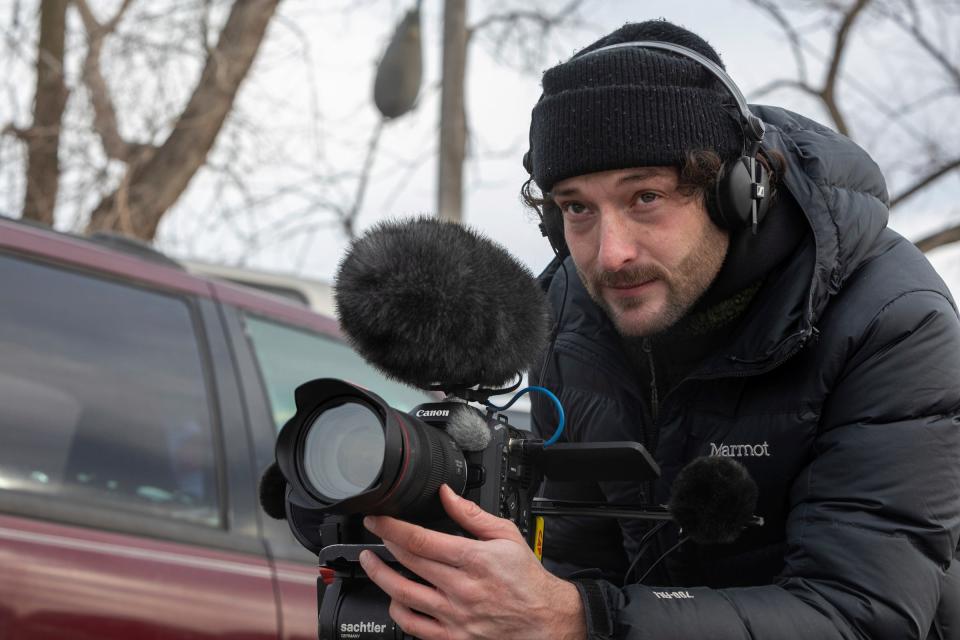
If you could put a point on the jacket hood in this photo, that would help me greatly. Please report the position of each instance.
(844, 200)
(840, 190)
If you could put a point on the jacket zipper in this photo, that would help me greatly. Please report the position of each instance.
(651, 436)
(654, 395)
(803, 338)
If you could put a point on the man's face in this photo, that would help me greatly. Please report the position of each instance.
(645, 252)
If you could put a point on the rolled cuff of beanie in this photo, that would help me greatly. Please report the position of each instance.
(593, 129)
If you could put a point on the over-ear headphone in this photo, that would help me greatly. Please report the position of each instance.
(740, 198)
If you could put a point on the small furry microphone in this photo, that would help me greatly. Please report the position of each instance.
(432, 302)
(713, 500)
(273, 489)
(468, 429)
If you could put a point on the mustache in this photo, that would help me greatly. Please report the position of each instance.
(628, 277)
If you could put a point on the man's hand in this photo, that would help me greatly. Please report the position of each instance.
(492, 587)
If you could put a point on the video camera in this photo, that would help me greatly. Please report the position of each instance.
(439, 307)
(346, 453)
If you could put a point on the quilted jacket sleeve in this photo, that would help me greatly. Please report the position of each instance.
(874, 518)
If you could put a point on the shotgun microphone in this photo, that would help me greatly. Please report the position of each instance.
(434, 304)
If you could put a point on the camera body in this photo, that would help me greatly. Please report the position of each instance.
(346, 453)
(334, 479)
(499, 479)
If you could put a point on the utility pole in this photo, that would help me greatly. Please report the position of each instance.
(453, 118)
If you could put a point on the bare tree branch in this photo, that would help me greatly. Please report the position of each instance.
(17, 132)
(795, 45)
(346, 216)
(898, 114)
(925, 181)
(309, 63)
(774, 85)
(935, 52)
(931, 156)
(105, 115)
(525, 31)
(156, 183)
(940, 238)
(351, 214)
(511, 18)
(828, 92)
(205, 26)
(880, 102)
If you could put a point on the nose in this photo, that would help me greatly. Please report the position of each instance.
(618, 246)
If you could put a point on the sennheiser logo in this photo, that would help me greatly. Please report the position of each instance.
(361, 627)
(740, 450)
(433, 413)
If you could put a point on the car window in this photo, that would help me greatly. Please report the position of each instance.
(288, 357)
(102, 395)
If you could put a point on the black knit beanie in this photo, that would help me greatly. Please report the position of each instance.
(630, 107)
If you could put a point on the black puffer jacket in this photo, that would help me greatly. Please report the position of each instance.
(845, 369)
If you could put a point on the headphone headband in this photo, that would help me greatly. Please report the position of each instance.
(740, 197)
(751, 125)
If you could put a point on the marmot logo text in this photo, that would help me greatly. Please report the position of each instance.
(740, 450)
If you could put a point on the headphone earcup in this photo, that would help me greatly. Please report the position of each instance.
(731, 206)
(551, 225)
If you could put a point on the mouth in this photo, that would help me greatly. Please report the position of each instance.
(632, 289)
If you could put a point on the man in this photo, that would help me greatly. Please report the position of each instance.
(818, 348)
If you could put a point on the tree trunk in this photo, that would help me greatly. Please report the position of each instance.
(158, 177)
(453, 118)
(43, 137)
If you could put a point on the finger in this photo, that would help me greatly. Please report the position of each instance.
(419, 541)
(443, 576)
(483, 525)
(411, 594)
(416, 624)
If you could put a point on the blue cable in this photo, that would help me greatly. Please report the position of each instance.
(556, 402)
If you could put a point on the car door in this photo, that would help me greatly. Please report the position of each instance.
(120, 514)
(274, 356)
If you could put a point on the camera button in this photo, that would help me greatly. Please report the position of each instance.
(476, 476)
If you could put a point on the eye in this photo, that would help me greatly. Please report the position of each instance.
(647, 197)
(572, 208)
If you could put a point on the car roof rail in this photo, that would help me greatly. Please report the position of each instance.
(133, 246)
(108, 239)
(25, 221)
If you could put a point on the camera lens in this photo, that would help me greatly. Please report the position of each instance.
(344, 449)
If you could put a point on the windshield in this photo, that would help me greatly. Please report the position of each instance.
(288, 357)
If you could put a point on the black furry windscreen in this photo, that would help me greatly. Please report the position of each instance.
(713, 499)
(430, 301)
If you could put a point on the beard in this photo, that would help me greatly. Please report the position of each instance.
(642, 316)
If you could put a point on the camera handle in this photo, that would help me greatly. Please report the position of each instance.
(337, 554)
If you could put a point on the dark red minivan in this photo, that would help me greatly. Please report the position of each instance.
(138, 406)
